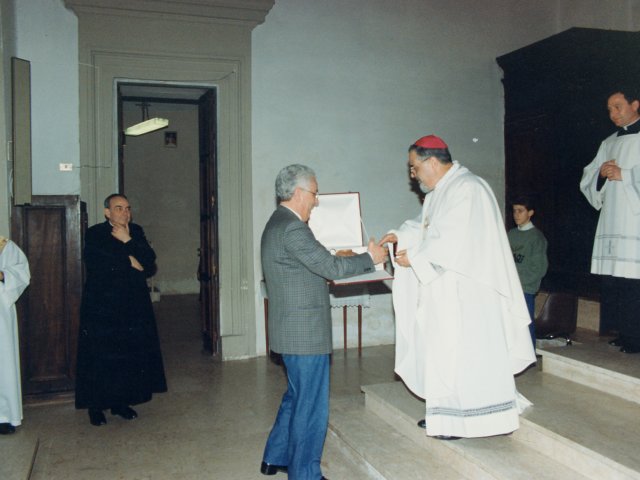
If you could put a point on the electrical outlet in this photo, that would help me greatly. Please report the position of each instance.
(66, 167)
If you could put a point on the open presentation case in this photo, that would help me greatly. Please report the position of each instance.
(336, 223)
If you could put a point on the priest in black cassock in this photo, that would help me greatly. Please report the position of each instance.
(119, 359)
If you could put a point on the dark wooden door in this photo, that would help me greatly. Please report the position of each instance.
(208, 265)
(122, 141)
(531, 170)
(555, 118)
(49, 231)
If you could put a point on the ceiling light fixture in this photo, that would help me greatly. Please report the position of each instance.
(147, 124)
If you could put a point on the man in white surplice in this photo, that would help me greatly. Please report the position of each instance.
(14, 278)
(461, 319)
(611, 184)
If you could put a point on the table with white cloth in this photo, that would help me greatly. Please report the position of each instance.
(346, 296)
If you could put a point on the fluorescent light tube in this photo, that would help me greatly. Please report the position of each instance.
(147, 126)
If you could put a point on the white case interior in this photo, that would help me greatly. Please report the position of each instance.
(335, 222)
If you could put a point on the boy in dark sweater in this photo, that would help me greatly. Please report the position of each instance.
(529, 248)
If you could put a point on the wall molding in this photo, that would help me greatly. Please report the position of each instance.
(243, 12)
(131, 41)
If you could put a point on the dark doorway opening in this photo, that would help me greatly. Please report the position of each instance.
(172, 174)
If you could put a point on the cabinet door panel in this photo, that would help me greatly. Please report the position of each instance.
(49, 231)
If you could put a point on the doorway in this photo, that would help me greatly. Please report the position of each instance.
(170, 178)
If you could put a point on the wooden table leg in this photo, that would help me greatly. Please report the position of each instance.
(344, 326)
(359, 330)
(266, 323)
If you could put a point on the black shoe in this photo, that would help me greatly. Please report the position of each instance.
(96, 418)
(445, 437)
(616, 342)
(125, 412)
(268, 469)
(7, 429)
(276, 357)
(630, 349)
(422, 423)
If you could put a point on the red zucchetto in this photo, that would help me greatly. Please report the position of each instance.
(431, 141)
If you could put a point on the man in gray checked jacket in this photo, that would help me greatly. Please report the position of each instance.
(296, 269)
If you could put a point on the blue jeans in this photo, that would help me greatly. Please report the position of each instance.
(297, 436)
(530, 298)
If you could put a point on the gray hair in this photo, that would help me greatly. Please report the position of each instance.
(107, 201)
(441, 154)
(291, 177)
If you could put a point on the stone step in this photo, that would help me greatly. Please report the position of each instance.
(591, 361)
(513, 457)
(339, 460)
(381, 450)
(594, 432)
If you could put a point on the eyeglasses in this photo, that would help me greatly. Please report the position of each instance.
(414, 168)
(315, 194)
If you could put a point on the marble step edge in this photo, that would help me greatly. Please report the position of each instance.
(598, 378)
(352, 454)
(583, 460)
(18, 456)
(415, 464)
(468, 464)
(36, 449)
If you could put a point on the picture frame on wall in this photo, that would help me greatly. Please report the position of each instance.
(171, 139)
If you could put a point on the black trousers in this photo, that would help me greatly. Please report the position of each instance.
(620, 308)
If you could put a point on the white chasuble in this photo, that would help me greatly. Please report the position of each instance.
(461, 319)
(616, 248)
(15, 267)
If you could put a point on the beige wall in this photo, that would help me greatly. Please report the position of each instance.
(6, 52)
(346, 87)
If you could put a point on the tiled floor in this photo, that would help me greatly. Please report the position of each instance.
(212, 424)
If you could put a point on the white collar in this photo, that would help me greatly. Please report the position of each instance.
(632, 123)
(296, 213)
(525, 227)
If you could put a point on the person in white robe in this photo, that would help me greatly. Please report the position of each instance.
(611, 184)
(461, 318)
(14, 278)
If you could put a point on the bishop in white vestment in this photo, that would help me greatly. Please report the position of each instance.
(14, 278)
(461, 319)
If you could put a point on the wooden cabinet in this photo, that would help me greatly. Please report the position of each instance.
(555, 118)
(49, 231)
